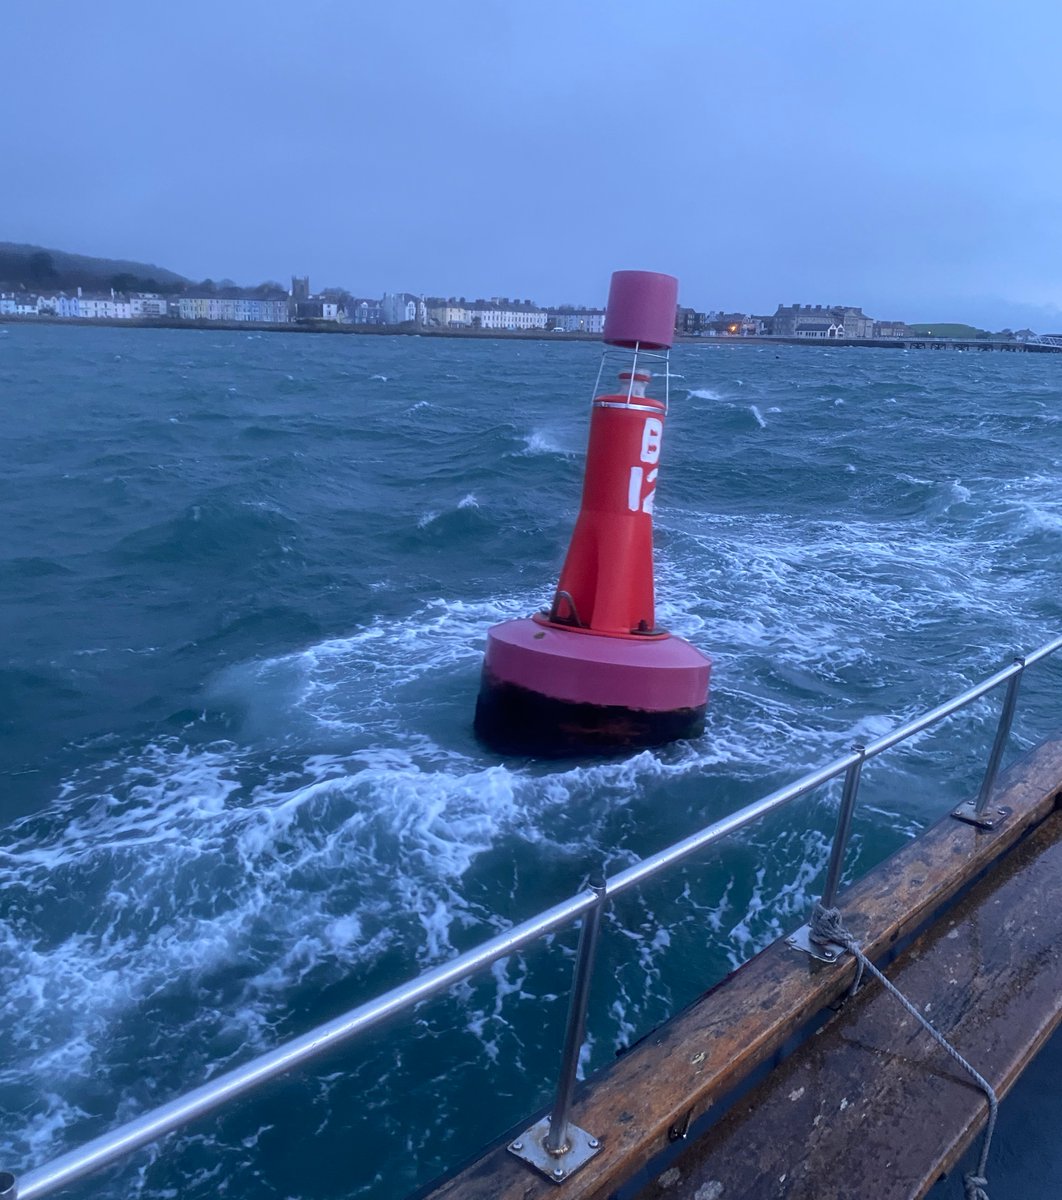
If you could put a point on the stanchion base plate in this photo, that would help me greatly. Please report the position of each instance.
(991, 818)
(531, 1147)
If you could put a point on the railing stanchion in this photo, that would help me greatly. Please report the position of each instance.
(557, 1141)
(844, 828)
(1006, 717)
(807, 938)
(554, 1145)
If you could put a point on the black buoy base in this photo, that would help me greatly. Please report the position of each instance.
(515, 720)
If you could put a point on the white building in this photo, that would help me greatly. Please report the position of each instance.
(104, 308)
(509, 314)
(58, 305)
(147, 304)
(18, 304)
(193, 308)
(22, 305)
(450, 314)
(232, 309)
(818, 329)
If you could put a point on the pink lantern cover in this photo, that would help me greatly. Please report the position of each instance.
(641, 309)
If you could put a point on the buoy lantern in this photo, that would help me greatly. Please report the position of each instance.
(594, 674)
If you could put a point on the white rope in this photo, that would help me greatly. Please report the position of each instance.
(825, 926)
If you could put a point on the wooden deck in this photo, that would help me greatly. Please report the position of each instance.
(693, 1066)
(871, 1105)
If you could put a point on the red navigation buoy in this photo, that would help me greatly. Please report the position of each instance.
(594, 673)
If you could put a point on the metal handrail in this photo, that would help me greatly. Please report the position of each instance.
(151, 1126)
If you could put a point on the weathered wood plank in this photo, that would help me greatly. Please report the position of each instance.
(707, 1049)
(872, 1097)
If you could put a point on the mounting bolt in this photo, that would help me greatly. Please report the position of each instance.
(558, 1172)
(517, 1146)
(593, 1143)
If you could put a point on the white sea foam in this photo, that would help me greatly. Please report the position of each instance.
(432, 515)
(704, 394)
(853, 584)
(771, 910)
(758, 415)
(543, 441)
(1039, 518)
(198, 867)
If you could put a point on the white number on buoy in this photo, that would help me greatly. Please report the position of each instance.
(652, 432)
(651, 435)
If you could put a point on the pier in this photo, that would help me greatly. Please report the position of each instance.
(1047, 344)
(1042, 344)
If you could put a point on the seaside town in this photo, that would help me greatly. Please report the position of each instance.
(403, 309)
(271, 305)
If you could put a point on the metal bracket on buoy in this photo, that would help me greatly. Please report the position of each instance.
(580, 1147)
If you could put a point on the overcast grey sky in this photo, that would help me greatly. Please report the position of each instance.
(905, 157)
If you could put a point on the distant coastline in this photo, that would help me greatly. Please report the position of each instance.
(912, 342)
(332, 327)
(71, 288)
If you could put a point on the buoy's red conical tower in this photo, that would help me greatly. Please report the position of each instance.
(594, 673)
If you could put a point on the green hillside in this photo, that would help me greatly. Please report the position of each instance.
(948, 329)
(35, 267)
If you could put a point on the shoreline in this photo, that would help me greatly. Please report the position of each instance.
(333, 327)
(914, 342)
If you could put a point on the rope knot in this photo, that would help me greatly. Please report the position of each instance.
(975, 1187)
(827, 925)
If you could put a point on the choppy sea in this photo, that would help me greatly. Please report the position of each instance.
(244, 583)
